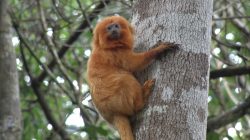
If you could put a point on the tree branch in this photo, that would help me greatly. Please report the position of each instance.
(51, 46)
(226, 72)
(45, 68)
(47, 111)
(233, 17)
(36, 82)
(73, 38)
(42, 101)
(238, 23)
(229, 45)
(229, 116)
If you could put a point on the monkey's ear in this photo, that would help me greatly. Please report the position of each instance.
(131, 28)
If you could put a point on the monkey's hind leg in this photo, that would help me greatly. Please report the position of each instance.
(145, 93)
(147, 89)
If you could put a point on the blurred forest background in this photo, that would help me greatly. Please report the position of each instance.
(52, 39)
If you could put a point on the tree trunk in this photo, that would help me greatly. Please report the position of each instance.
(10, 114)
(177, 108)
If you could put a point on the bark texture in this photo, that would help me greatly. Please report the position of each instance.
(10, 114)
(177, 109)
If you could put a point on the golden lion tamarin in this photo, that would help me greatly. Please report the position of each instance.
(115, 91)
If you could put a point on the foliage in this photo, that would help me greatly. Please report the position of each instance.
(41, 28)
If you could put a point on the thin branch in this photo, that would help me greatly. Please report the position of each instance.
(51, 46)
(59, 12)
(48, 112)
(45, 68)
(225, 7)
(42, 101)
(229, 45)
(25, 62)
(215, 88)
(241, 26)
(229, 116)
(221, 60)
(75, 101)
(226, 72)
(73, 38)
(229, 93)
(84, 15)
(231, 18)
(238, 23)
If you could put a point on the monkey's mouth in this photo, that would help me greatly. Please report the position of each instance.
(115, 35)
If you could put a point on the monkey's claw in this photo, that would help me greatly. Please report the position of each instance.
(149, 83)
(172, 45)
(168, 45)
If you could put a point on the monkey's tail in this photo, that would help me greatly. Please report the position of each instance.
(123, 126)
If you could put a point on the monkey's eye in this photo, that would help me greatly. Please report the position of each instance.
(116, 25)
(109, 28)
(113, 27)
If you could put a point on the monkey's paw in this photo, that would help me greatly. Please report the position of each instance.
(172, 45)
(167, 45)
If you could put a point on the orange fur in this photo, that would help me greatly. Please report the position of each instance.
(115, 91)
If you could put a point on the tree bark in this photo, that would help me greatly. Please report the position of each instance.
(10, 114)
(177, 108)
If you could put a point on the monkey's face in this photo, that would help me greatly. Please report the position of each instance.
(113, 32)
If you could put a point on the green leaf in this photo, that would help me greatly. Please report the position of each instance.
(213, 136)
